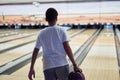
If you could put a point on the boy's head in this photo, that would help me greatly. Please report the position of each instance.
(51, 15)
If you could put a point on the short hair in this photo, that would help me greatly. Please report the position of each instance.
(51, 14)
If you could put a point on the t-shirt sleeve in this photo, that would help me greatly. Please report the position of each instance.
(65, 36)
(38, 43)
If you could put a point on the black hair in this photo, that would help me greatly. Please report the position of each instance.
(51, 14)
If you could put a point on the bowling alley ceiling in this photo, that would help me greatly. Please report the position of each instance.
(2, 2)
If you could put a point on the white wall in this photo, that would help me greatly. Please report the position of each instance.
(63, 8)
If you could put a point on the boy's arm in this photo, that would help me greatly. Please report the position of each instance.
(70, 55)
(34, 56)
(69, 52)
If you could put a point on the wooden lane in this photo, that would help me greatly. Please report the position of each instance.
(3, 31)
(71, 31)
(8, 34)
(24, 33)
(16, 33)
(7, 77)
(81, 39)
(20, 34)
(16, 53)
(11, 32)
(13, 36)
(17, 42)
(101, 62)
(20, 51)
(75, 41)
(23, 40)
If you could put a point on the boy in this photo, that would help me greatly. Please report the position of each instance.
(55, 44)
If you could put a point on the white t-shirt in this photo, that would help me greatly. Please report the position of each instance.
(51, 40)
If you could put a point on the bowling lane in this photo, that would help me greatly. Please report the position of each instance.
(3, 31)
(76, 42)
(80, 39)
(24, 33)
(17, 42)
(24, 40)
(20, 34)
(20, 51)
(16, 53)
(8, 34)
(101, 61)
(71, 31)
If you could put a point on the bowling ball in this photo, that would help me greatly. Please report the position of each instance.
(76, 76)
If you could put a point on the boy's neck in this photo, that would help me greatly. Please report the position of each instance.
(52, 23)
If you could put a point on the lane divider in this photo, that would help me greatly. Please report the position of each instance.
(117, 43)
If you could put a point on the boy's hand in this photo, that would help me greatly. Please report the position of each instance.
(31, 73)
(77, 69)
